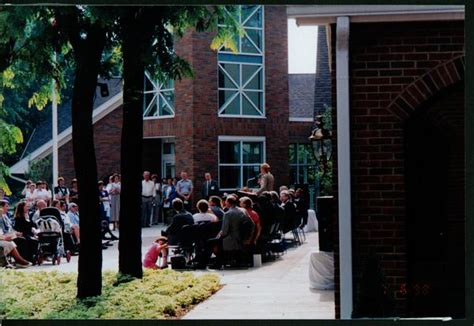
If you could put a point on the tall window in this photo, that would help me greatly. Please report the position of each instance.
(158, 101)
(241, 74)
(303, 167)
(239, 160)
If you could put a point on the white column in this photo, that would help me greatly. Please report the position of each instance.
(344, 165)
(55, 131)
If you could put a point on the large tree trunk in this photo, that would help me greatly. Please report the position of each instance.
(136, 38)
(88, 56)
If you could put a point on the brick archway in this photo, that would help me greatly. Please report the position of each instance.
(440, 77)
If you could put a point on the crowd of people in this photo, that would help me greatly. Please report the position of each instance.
(228, 228)
(237, 225)
(19, 231)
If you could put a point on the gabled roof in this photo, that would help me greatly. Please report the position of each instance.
(301, 97)
(40, 142)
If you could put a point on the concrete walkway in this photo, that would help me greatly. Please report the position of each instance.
(277, 290)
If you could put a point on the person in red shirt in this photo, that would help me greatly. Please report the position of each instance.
(246, 203)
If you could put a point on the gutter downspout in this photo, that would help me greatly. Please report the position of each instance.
(344, 166)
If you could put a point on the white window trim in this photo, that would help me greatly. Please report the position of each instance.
(158, 93)
(261, 51)
(241, 89)
(263, 65)
(241, 139)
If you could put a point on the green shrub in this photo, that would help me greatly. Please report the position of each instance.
(51, 295)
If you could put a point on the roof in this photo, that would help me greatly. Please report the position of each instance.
(40, 142)
(43, 133)
(323, 14)
(302, 89)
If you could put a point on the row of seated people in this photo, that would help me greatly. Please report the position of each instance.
(232, 233)
(23, 235)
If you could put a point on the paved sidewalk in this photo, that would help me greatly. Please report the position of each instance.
(277, 290)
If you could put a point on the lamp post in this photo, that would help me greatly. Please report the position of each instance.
(322, 145)
(322, 151)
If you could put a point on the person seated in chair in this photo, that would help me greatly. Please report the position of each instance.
(8, 247)
(232, 232)
(40, 204)
(290, 212)
(73, 214)
(28, 242)
(180, 219)
(204, 215)
(215, 204)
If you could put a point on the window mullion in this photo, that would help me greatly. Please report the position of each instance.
(241, 162)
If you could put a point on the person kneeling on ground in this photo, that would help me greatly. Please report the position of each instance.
(158, 249)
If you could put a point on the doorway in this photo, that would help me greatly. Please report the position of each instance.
(434, 150)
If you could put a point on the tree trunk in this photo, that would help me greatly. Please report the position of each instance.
(88, 56)
(136, 38)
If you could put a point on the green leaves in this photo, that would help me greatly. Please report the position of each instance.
(51, 295)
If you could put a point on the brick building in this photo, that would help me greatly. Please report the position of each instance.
(231, 117)
(399, 99)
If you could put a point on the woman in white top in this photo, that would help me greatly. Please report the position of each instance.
(41, 193)
(29, 195)
(204, 214)
(114, 189)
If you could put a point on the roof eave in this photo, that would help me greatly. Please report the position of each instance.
(102, 111)
(327, 14)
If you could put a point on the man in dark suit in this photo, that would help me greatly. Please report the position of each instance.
(209, 187)
(290, 211)
(232, 233)
(182, 218)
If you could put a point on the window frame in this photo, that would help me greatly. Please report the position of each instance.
(299, 165)
(157, 91)
(240, 89)
(241, 140)
(262, 29)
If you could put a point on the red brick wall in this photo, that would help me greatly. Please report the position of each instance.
(384, 69)
(107, 134)
(300, 131)
(197, 125)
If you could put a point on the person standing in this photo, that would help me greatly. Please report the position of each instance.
(157, 211)
(60, 191)
(114, 188)
(41, 193)
(209, 187)
(184, 188)
(266, 179)
(29, 195)
(169, 194)
(148, 191)
(74, 192)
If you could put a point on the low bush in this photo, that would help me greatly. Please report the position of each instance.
(51, 295)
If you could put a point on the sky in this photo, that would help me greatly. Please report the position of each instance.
(301, 48)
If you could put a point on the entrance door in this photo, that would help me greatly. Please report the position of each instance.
(168, 160)
(435, 214)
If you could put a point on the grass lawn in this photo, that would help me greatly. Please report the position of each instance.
(161, 294)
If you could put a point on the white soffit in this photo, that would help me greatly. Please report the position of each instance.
(324, 14)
